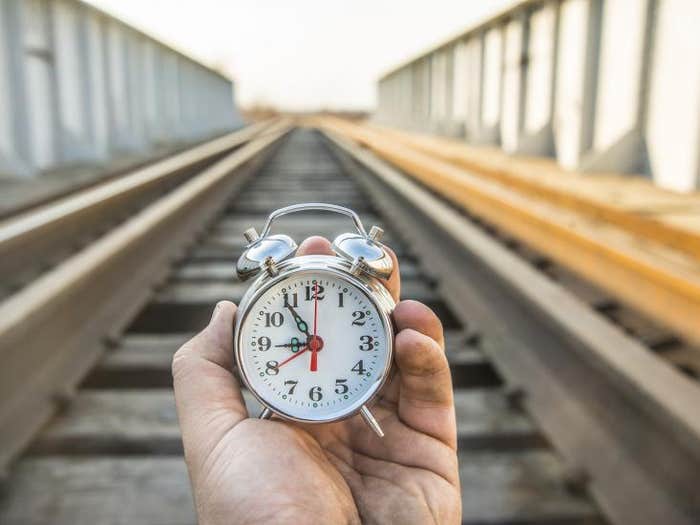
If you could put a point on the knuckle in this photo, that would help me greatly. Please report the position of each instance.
(180, 361)
(414, 314)
(412, 339)
(413, 308)
(419, 353)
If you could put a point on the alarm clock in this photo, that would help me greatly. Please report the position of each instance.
(313, 337)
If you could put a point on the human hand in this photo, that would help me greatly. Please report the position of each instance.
(248, 470)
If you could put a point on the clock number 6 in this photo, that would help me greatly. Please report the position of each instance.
(315, 393)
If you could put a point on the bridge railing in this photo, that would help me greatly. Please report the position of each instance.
(79, 85)
(599, 85)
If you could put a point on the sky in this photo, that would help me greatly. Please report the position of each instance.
(302, 55)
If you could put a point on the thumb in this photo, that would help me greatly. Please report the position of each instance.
(207, 395)
(215, 342)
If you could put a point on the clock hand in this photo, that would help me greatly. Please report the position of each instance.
(292, 357)
(314, 340)
(301, 324)
(295, 345)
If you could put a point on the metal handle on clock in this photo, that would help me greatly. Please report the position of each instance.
(313, 206)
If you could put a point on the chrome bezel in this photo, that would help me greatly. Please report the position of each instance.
(338, 268)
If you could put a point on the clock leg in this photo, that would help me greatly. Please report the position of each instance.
(371, 421)
(265, 414)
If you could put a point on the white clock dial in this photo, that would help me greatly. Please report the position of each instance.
(314, 346)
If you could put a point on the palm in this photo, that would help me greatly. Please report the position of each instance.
(404, 477)
(407, 477)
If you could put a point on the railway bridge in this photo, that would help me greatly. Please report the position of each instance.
(536, 176)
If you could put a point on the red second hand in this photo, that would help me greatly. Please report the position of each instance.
(292, 357)
(314, 341)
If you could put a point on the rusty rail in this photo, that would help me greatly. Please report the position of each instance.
(659, 282)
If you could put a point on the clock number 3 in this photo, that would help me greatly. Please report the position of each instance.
(367, 343)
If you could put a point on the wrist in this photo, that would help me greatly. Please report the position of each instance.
(276, 513)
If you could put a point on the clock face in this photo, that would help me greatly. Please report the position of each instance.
(314, 346)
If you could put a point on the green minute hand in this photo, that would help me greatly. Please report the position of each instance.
(301, 324)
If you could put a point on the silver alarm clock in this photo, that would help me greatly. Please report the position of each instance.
(313, 336)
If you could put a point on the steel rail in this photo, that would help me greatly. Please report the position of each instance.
(27, 238)
(661, 284)
(53, 330)
(624, 419)
(559, 187)
(104, 174)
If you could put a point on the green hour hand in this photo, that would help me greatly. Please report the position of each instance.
(301, 324)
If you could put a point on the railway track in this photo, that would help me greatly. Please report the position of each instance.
(549, 430)
(37, 239)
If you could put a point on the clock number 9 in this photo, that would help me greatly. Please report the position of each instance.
(264, 343)
(367, 343)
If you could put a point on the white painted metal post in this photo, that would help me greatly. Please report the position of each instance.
(40, 88)
(618, 141)
(136, 89)
(150, 93)
(537, 134)
(72, 82)
(673, 113)
(475, 81)
(576, 79)
(15, 146)
(460, 79)
(514, 73)
(492, 86)
(437, 90)
(97, 84)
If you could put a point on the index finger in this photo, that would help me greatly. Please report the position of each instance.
(317, 245)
